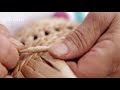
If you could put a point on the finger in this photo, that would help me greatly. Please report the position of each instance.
(103, 60)
(8, 53)
(8, 76)
(84, 37)
(4, 31)
(3, 71)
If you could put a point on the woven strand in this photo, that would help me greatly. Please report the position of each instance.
(36, 49)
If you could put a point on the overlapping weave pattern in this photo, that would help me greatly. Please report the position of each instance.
(35, 62)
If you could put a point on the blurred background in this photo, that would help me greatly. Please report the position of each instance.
(14, 20)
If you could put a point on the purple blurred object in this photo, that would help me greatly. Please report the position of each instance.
(61, 14)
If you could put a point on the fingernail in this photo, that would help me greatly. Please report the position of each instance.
(16, 43)
(59, 49)
(4, 31)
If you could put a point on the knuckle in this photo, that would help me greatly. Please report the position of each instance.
(79, 39)
(81, 35)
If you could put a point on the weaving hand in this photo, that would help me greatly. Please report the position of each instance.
(8, 53)
(95, 44)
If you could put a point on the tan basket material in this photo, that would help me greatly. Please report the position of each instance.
(35, 61)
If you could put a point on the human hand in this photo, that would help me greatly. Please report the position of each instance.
(96, 44)
(8, 52)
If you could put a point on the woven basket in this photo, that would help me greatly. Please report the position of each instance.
(37, 37)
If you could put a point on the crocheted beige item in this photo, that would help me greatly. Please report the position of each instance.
(35, 61)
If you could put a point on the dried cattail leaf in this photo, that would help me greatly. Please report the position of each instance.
(19, 75)
(36, 49)
(30, 73)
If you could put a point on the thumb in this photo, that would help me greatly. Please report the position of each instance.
(84, 37)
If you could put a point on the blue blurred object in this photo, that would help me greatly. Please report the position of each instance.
(79, 16)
